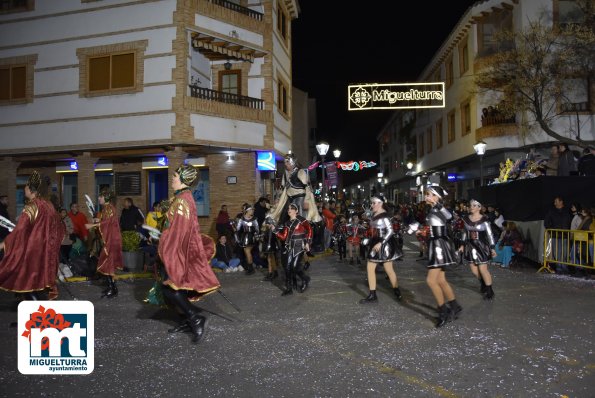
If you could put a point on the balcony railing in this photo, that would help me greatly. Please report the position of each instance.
(575, 106)
(234, 99)
(497, 119)
(238, 8)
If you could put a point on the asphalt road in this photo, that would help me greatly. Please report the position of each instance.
(534, 340)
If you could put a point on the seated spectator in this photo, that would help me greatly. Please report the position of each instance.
(504, 247)
(224, 258)
(153, 217)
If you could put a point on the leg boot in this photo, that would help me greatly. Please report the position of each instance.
(397, 292)
(489, 293)
(455, 308)
(305, 282)
(483, 288)
(250, 269)
(112, 290)
(288, 284)
(444, 313)
(195, 322)
(198, 325)
(268, 278)
(372, 298)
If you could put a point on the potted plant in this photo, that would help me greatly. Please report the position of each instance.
(131, 253)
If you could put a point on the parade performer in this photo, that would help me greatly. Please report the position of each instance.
(340, 236)
(478, 247)
(110, 256)
(269, 248)
(441, 254)
(296, 190)
(246, 235)
(297, 235)
(383, 249)
(355, 232)
(185, 254)
(31, 250)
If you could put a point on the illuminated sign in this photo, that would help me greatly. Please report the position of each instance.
(362, 97)
(74, 165)
(162, 161)
(355, 166)
(265, 161)
(451, 177)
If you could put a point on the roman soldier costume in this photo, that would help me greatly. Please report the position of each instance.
(110, 256)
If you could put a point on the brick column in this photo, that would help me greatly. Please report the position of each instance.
(85, 181)
(174, 158)
(8, 184)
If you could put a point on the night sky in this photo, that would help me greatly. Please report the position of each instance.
(383, 42)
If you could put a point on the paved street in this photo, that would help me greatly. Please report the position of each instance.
(534, 340)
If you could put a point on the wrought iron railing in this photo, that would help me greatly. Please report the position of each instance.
(238, 8)
(575, 106)
(497, 119)
(220, 96)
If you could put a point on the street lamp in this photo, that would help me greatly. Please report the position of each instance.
(480, 150)
(322, 149)
(336, 154)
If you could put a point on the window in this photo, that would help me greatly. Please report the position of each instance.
(111, 69)
(230, 82)
(439, 134)
(463, 56)
(16, 79)
(488, 28)
(576, 95)
(7, 6)
(202, 194)
(429, 140)
(420, 146)
(282, 22)
(569, 13)
(282, 97)
(449, 72)
(466, 118)
(451, 126)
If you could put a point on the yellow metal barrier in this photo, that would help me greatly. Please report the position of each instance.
(568, 247)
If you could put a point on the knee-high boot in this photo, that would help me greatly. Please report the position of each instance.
(455, 308)
(195, 321)
(444, 314)
(112, 290)
(289, 276)
(305, 280)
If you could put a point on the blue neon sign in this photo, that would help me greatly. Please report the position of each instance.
(265, 161)
(162, 161)
(74, 165)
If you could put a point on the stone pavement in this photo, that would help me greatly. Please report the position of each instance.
(534, 340)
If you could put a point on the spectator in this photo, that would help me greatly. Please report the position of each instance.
(566, 162)
(222, 224)
(4, 213)
(261, 209)
(69, 237)
(552, 163)
(329, 223)
(505, 244)
(586, 163)
(577, 217)
(153, 217)
(224, 258)
(131, 217)
(78, 222)
(558, 218)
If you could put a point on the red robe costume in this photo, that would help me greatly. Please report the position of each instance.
(185, 252)
(31, 250)
(110, 258)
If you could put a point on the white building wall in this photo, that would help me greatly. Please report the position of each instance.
(227, 131)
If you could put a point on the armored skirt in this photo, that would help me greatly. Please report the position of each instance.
(477, 251)
(381, 230)
(441, 252)
(270, 243)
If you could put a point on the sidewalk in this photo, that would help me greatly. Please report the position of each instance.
(534, 340)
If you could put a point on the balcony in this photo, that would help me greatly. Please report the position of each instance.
(238, 8)
(575, 107)
(234, 99)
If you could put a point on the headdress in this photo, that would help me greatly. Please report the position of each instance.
(34, 181)
(294, 206)
(108, 195)
(246, 209)
(291, 158)
(474, 202)
(437, 190)
(187, 174)
(380, 197)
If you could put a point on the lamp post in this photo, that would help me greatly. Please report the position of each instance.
(336, 154)
(322, 149)
(480, 150)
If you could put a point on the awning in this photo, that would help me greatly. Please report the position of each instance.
(217, 49)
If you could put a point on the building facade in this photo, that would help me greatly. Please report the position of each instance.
(438, 143)
(118, 93)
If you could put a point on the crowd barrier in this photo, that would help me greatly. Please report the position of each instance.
(567, 247)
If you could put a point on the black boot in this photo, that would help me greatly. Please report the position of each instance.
(455, 308)
(489, 293)
(182, 327)
(444, 313)
(196, 322)
(305, 283)
(250, 269)
(112, 290)
(483, 288)
(397, 293)
(288, 284)
(198, 325)
(268, 278)
(372, 298)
